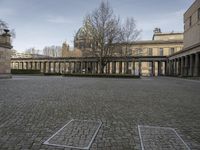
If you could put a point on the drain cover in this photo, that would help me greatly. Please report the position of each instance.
(77, 134)
(160, 138)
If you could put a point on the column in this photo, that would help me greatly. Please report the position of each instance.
(126, 67)
(196, 66)
(191, 65)
(59, 67)
(133, 67)
(30, 65)
(179, 66)
(40, 64)
(97, 67)
(120, 67)
(113, 67)
(140, 68)
(65, 67)
(159, 68)
(153, 68)
(49, 67)
(182, 66)
(44, 67)
(22, 65)
(175, 67)
(108, 68)
(81, 67)
(186, 66)
(70, 67)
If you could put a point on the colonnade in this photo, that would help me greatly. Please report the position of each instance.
(188, 65)
(133, 67)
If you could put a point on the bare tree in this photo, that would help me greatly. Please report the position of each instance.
(52, 51)
(129, 34)
(103, 27)
(32, 51)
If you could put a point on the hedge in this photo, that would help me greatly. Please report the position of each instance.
(25, 71)
(101, 75)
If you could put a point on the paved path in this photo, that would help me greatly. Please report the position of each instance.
(33, 108)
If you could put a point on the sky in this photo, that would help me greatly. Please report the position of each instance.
(40, 23)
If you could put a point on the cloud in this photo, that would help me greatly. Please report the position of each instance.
(58, 20)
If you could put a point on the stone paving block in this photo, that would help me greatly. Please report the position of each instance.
(160, 138)
(75, 134)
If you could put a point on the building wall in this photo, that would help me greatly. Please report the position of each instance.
(5, 56)
(192, 25)
(168, 36)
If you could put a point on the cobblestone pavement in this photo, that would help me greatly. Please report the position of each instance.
(32, 109)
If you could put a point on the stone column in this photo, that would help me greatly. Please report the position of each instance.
(175, 67)
(81, 67)
(133, 67)
(26, 64)
(197, 65)
(70, 67)
(140, 68)
(22, 65)
(153, 68)
(31, 63)
(54, 67)
(97, 67)
(40, 64)
(49, 67)
(179, 66)
(120, 67)
(65, 67)
(44, 67)
(191, 65)
(159, 68)
(182, 66)
(186, 66)
(113, 67)
(108, 68)
(126, 67)
(59, 67)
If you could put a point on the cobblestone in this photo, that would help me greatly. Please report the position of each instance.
(34, 108)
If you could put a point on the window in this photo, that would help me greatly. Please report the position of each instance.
(138, 51)
(161, 51)
(199, 14)
(172, 51)
(150, 52)
(190, 24)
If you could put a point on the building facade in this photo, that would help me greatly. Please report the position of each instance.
(5, 56)
(187, 62)
(162, 44)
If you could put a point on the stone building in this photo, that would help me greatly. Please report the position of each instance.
(162, 44)
(187, 62)
(5, 55)
(66, 52)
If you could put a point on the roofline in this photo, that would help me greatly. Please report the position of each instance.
(190, 7)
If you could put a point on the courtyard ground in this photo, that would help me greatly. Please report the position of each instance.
(33, 108)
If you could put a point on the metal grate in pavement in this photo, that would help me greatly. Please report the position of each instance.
(78, 134)
(160, 138)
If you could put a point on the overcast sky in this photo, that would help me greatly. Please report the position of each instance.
(40, 23)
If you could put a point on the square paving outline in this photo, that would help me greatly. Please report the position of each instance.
(74, 147)
(164, 128)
